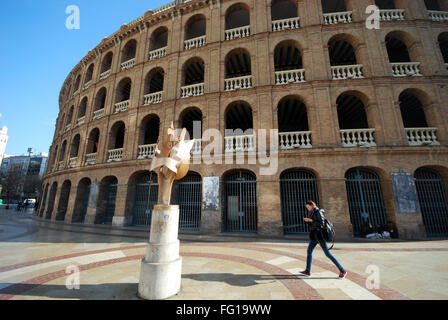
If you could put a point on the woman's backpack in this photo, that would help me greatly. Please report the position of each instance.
(328, 232)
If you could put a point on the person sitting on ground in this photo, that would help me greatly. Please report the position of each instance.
(392, 228)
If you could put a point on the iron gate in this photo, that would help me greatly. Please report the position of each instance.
(296, 187)
(433, 202)
(146, 194)
(111, 197)
(365, 199)
(189, 198)
(240, 202)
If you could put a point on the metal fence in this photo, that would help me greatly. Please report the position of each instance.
(433, 201)
(240, 202)
(365, 199)
(296, 187)
(189, 198)
(146, 194)
(111, 197)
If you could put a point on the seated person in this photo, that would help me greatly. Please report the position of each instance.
(392, 228)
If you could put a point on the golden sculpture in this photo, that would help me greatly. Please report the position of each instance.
(172, 162)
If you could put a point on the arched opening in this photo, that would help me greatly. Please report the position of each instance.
(82, 200)
(51, 199)
(61, 123)
(237, 16)
(189, 119)
(63, 200)
(238, 115)
(123, 90)
(187, 193)
(74, 149)
(433, 201)
(353, 123)
(82, 108)
(433, 5)
(154, 81)
(70, 116)
(287, 57)
(143, 190)
(238, 64)
(92, 142)
(107, 197)
(284, 9)
(43, 201)
(193, 72)
(149, 130)
(55, 156)
(412, 110)
(77, 83)
(351, 112)
(159, 39)
(332, 6)
(365, 200)
(106, 64)
(100, 100)
(116, 137)
(296, 187)
(342, 52)
(396, 49)
(443, 44)
(63, 149)
(293, 124)
(240, 197)
(89, 74)
(129, 51)
(195, 28)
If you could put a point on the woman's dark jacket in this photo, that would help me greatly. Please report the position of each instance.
(317, 215)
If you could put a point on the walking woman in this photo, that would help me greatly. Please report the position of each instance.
(317, 224)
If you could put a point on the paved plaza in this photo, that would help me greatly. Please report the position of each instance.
(35, 254)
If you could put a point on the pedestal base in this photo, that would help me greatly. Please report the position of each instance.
(161, 269)
(159, 280)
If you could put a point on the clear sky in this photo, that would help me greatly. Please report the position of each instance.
(38, 52)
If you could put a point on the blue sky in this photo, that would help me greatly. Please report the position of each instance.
(37, 54)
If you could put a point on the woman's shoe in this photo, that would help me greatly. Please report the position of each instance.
(305, 273)
(342, 275)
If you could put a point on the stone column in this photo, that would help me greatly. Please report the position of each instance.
(269, 206)
(120, 218)
(93, 201)
(71, 204)
(56, 202)
(326, 132)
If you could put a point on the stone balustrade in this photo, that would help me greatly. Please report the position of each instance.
(238, 83)
(90, 159)
(338, 17)
(87, 84)
(146, 151)
(438, 16)
(422, 136)
(81, 121)
(197, 147)
(165, 7)
(194, 43)
(347, 72)
(98, 114)
(290, 76)
(115, 155)
(239, 143)
(192, 90)
(61, 165)
(68, 127)
(72, 162)
(286, 24)
(75, 93)
(128, 64)
(237, 33)
(157, 54)
(121, 106)
(358, 137)
(152, 98)
(392, 14)
(292, 140)
(105, 74)
(406, 69)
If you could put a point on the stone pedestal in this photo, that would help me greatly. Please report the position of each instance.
(161, 269)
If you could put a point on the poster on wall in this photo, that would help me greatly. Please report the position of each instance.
(210, 193)
(405, 193)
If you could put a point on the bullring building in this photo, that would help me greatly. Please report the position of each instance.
(361, 115)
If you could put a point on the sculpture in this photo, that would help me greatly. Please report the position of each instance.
(171, 163)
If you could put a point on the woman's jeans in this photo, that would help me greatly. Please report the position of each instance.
(312, 245)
